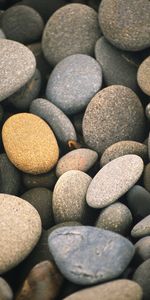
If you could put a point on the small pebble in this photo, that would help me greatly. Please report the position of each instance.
(5, 290)
(143, 76)
(142, 228)
(142, 277)
(142, 249)
(138, 200)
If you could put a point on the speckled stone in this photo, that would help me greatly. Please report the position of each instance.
(58, 121)
(138, 200)
(116, 217)
(142, 277)
(143, 76)
(77, 33)
(20, 230)
(142, 249)
(30, 143)
(5, 290)
(122, 289)
(73, 82)
(146, 176)
(88, 259)
(122, 148)
(46, 180)
(142, 228)
(69, 193)
(17, 66)
(114, 114)
(126, 24)
(80, 159)
(114, 180)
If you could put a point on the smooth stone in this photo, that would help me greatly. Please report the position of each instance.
(58, 121)
(41, 199)
(73, 82)
(114, 114)
(122, 148)
(126, 25)
(18, 219)
(138, 200)
(5, 290)
(122, 289)
(147, 111)
(143, 76)
(77, 122)
(64, 224)
(82, 253)
(77, 33)
(69, 203)
(2, 34)
(30, 143)
(17, 66)
(142, 228)
(142, 249)
(116, 217)
(114, 180)
(142, 277)
(80, 159)
(149, 146)
(146, 176)
(46, 180)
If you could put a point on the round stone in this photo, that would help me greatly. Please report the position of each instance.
(30, 143)
(73, 82)
(143, 76)
(88, 259)
(5, 290)
(126, 24)
(123, 148)
(142, 249)
(146, 176)
(114, 114)
(20, 230)
(46, 180)
(142, 277)
(80, 159)
(69, 203)
(142, 228)
(114, 180)
(139, 201)
(17, 66)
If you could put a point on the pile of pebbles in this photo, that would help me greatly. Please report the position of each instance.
(75, 150)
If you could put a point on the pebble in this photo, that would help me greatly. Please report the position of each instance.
(17, 66)
(41, 199)
(64, 224)
(27, 28)
(149, 146)
(102, 124)
(30, 143)
(18, 219)
(5, 290)
(142, 249)
(138, 200)
(80, 159)
(73, 82)
(122, 289)
(86, 255)
(114, 180)
(147, 111)
(122, 148)
(142, 277)
(2, 34)
(116, 217)
(77, 33)
(46, 180)
(143, 76)
(142, 228)
(69, 203)
(126, 25)
(146, 176)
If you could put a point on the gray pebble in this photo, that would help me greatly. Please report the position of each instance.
(142, 249)
(5, 290)
(142, 228)
(143, 76)
(146, 176)
(46, 180)
(2, 34)
(149, 146)
(142, 277)
(139, 201)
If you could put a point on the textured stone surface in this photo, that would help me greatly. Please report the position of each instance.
(146, 176)
(114, 114)
(30, 143)
(114, 180)
(83, 253)
(142, 249)
(139, 201)
(5, 290)
(73, 82)
(142, 277)
(126, 24)
(76, 33)
(143, 76)
(142, 228)
(20, 230)
(17, 66)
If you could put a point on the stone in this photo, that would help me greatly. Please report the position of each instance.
(138, 200)
(46, 180)
(143, 76)
(79, 159)
(5, 290)
(69, 203)
(73, 82)
(64, 224)
(83, 255)
(149, 146)
(77, 33)
(114, 180)
(147, 111)
(142, 249)
(20, 230)
(142, 277)
(30, 143)
(126, 25)
(2, 34)
(122, 148)
(114, 114)
(17, 66)
(142, 228)
(146, 176)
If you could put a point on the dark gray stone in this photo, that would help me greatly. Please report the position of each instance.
(142, 249)
(149, 146)
(46, 180)
(142, 228)
(146, 177)
(142, 277)
(139, 201)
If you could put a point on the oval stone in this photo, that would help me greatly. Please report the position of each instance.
(114, 180)
(143, 76)
(142, 277)
(138, 200)
(6, 292)
(142, 228)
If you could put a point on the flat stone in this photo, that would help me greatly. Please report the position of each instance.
(142, 228)
(73, 82)
(30, 143)
(20, 230)
(142, 249)
(87, 255)
(143, 76)
(114, 114)
(17, 66)
(138, 200)
(114, 180)
(142, 277)
(5, 290)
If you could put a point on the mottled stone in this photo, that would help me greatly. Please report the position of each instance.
(114, 180)
(46, 180)
(87, 255)
(139, 201)
(142, 228)
(146, 177)
(5, 290)
(143, 76)
(142, 249)
(142, 277)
